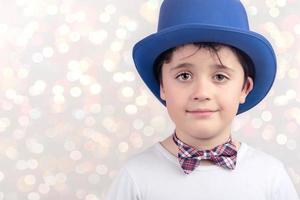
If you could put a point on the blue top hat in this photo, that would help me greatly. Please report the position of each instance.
(222, 21)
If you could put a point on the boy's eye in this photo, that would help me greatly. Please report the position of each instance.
(183, 76)
(221, 77)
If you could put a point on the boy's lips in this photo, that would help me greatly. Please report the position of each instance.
(201, 110)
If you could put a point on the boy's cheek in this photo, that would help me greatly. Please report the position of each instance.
(230, 101)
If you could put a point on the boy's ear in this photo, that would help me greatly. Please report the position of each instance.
(162, 92)
(247, 88)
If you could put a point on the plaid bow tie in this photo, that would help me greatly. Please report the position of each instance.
(189, 158)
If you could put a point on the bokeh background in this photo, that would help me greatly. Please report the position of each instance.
(73, 107)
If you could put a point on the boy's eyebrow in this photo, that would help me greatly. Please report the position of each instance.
(182, 65)
(189, 65)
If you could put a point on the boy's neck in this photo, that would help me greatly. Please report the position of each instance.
(206, 143)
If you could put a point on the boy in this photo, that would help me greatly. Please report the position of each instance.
(205, 66)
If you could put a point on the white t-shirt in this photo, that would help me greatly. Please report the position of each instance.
(155, 174)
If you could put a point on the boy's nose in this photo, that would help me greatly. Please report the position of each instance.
(201, 90)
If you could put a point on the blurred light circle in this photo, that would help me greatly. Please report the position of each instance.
(266, 116)
(4, 123)
(33, 196)
(74, 36)
(23, 73)
(11, 153)
(29, 179)
(80, 16)
(59, 99)
(52, 10)
(75, 155)
(127, 92)
(8, 72)
(123, 147)
(32, 164)
(61, 178)
(95, 88)
(10, 93)
(50, 180)
(91, 197)
(98, 37)
(297, 29)
(141, 100)
(75, 92)
(64, 29)
(48, 52)
(110, 9)
(281, 3)
(101, 169)
(293, 73)
(104, 17)
(129, 76)
(131, 109)
(85, 80)
(109, 65)
(274, 12)
(63, 47)
(118, 77)
(121, 33)
(138, 124)
(252, 10)
(116, 46)
(291, 94)
(280, 101)
(1, 176)
(73, 76)
(37, 57)
(281, 139)
(80, 194)
(131, 26)
(148, 131)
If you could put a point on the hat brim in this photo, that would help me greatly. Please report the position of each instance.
(253, 44)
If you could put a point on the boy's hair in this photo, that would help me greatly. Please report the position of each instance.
(213, 47)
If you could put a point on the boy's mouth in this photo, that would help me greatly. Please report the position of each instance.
(200, 110)
(201, 113)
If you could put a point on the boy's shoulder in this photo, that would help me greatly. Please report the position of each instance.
(146, 157)
(152, 159)
(256, 156)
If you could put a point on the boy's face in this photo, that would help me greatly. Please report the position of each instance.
(199, 84)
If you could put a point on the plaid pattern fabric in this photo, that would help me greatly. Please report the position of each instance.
(189, 158)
